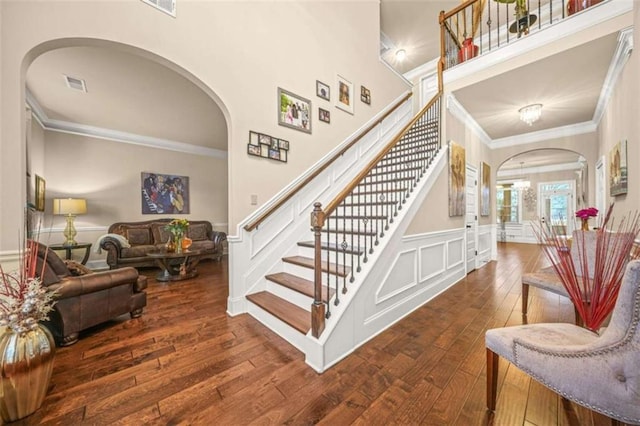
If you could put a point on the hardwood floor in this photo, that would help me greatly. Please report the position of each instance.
(186, 362)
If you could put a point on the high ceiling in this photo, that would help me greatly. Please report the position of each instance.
(127, 93)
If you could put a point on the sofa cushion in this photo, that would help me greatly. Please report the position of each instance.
(160, 235)
(138, 235)
(203, 245)
(197, 231)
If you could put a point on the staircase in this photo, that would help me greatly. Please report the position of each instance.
(353, 225)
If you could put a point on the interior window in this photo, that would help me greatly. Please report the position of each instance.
(508, 204)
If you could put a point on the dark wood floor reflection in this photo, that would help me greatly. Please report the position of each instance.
(185, 361)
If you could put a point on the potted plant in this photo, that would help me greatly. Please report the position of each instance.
(178, 229)
(26, 347)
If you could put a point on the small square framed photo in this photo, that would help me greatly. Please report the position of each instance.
(265, 139)
(294, 111)
(254, 150)
(324, 115)
(344, 100)
(323, 90)
(282, 144)
(365, 95)
(254, 138)
(274, 154)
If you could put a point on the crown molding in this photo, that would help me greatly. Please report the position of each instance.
(619, 60)
(116, 135)
(458, 111)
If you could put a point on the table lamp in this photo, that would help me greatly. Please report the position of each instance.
(70, 207)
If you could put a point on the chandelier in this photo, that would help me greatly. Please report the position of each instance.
(530, 113)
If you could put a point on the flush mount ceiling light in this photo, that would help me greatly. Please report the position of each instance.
(401, 55)
(530, 113)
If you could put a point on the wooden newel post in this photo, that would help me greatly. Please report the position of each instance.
(318, 307)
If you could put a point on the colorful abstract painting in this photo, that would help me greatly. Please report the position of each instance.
(164, 194)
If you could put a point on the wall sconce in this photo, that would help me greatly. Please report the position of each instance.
(69, 207)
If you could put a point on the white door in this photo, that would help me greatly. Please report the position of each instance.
(556, 205)
(601, 186)
(471, 216)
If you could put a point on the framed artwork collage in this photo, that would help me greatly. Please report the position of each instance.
(265, 146)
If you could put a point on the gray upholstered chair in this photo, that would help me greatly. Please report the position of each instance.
(600, 372)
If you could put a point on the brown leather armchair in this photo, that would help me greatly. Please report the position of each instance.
(88, 300)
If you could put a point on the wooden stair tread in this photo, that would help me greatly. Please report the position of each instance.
(349, 232)
(307, 262)
(298, 284)
(291, 314)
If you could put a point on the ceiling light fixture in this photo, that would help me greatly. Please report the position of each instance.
(524, 183)
(401, 55)
(530, 113)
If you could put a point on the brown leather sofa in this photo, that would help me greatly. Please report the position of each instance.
(88, 300)
(151, 235)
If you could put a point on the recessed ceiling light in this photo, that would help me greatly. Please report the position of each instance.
(401, 54)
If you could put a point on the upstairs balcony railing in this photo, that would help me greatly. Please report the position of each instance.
(480, 26)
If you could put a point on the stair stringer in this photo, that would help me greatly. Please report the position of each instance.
(254, 254)
(372, 303)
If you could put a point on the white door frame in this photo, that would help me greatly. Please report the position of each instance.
(471, 217)
(601, 185)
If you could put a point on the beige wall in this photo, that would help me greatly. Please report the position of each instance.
(238, 52)
(434, 213)
(621, 122)
(107, 174)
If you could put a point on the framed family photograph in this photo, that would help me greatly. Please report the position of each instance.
(324, 115)
(365, 95)
(294, 111)
(344, 100)
(323, 91)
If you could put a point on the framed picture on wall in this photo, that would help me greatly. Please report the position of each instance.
(324, 115)
(294, 111)
(457, 177)
(40, 192)
(344, 100)
(323, 91)
(618, 169)
(164, 194)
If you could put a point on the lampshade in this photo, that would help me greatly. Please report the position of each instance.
(69, 206)
(530, 113)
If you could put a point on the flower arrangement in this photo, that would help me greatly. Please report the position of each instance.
(178, 227)
(592, 269)
(23, 300)
(587, 213)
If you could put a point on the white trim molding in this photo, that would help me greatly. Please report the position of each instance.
(116, 135)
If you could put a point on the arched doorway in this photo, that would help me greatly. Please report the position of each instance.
(545, 185)
(139, 113)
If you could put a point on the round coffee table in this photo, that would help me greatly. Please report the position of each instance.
(176, 266)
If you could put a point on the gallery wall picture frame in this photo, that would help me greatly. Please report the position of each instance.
(344, 99)
(324, 115)
(485, 189)
(323, 90)
(40, 193)
(365, 95)
(266, 146)
(618, 184)
(164, 193)
(294, 111)
(457, 177)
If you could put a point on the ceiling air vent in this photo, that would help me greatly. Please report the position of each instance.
(167, 6)
(75, 83)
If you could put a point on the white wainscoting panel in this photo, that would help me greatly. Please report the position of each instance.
(401, 277)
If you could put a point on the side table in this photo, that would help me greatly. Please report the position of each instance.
(68, 249)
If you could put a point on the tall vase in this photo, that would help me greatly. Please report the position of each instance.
(585, 224)
(26, 364)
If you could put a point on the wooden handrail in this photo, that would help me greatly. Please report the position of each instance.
(457, 9)
(329, 208)
(254, 223)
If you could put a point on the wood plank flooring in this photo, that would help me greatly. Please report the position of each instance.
(185, 361)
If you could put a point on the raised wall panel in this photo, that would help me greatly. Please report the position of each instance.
(432, 261)
(455, 252)
(401, 277)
